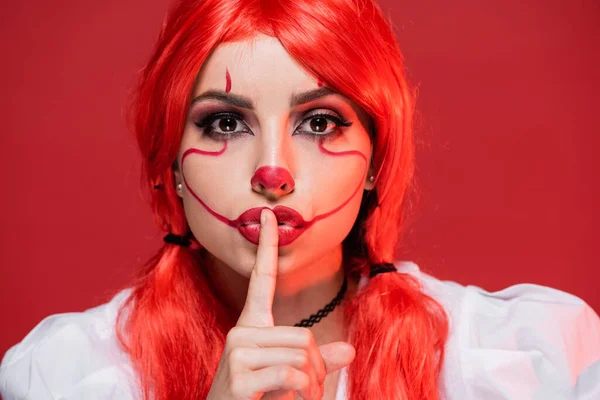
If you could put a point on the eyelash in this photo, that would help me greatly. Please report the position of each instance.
(206, 125)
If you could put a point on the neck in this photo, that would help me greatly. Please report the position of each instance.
(301, 290)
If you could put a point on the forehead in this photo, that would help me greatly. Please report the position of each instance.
(257, 66)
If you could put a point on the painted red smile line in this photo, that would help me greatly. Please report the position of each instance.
(292, 225)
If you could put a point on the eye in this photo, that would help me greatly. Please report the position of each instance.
(222, 126)
(323, 124)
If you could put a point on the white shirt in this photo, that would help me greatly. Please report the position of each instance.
(523, 342)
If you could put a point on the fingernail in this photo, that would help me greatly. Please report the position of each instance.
(263, 217)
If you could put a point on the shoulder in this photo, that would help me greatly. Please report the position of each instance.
(70, 356)
(526, 341)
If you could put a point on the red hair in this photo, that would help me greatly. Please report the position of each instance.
(174, 328)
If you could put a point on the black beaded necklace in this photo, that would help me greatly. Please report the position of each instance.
(322, 313)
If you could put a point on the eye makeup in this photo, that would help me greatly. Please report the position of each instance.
(207, 125)
(335, 122)
(338, 120)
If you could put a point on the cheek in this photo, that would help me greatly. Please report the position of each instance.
(322, 239)
(216, 176)
(211, 178)
(217, 182)
(220, 240)
(334, 175)
(332, 180)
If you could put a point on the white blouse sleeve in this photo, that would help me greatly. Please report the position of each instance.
(528, 342)
(69, 356)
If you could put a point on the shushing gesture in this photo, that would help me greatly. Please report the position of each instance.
(263, 361)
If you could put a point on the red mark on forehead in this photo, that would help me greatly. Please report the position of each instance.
(227, 81)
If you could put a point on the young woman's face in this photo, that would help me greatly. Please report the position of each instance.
(261, 132)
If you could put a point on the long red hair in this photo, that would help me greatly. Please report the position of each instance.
(172, 325)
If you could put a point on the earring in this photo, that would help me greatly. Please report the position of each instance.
(179, 187)
(371, 178)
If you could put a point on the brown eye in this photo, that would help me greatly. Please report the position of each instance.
(224, 125)
(322, 125)
(319, 124)
(227, 124)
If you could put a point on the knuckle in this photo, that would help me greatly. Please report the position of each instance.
(236, 356)
(285, 373)
(303, 360)
(236, 336)
(232, 336)
(306, 336)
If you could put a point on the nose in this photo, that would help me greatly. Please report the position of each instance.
(272, 182)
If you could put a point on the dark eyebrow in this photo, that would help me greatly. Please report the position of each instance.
(245, 102)
(233, 99)
(311, 95)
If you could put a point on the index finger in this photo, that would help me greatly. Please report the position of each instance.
(258, 309)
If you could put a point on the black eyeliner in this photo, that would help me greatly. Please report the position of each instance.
(205, 123)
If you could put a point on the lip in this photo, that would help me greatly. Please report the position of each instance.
(292, 224)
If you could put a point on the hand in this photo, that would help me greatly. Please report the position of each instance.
(261, 360)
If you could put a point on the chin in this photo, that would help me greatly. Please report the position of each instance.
(288, 262)
(287, 259)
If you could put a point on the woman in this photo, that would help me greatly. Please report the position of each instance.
(277, 146)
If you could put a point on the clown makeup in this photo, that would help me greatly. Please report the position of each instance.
(262, 132)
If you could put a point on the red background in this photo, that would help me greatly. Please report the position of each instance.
(508, 100)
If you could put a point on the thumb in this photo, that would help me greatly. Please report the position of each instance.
(337, 355)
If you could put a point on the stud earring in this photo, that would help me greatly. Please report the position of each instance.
(179, 187)
(371, 178)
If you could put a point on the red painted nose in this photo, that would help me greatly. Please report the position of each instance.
(272, 181)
